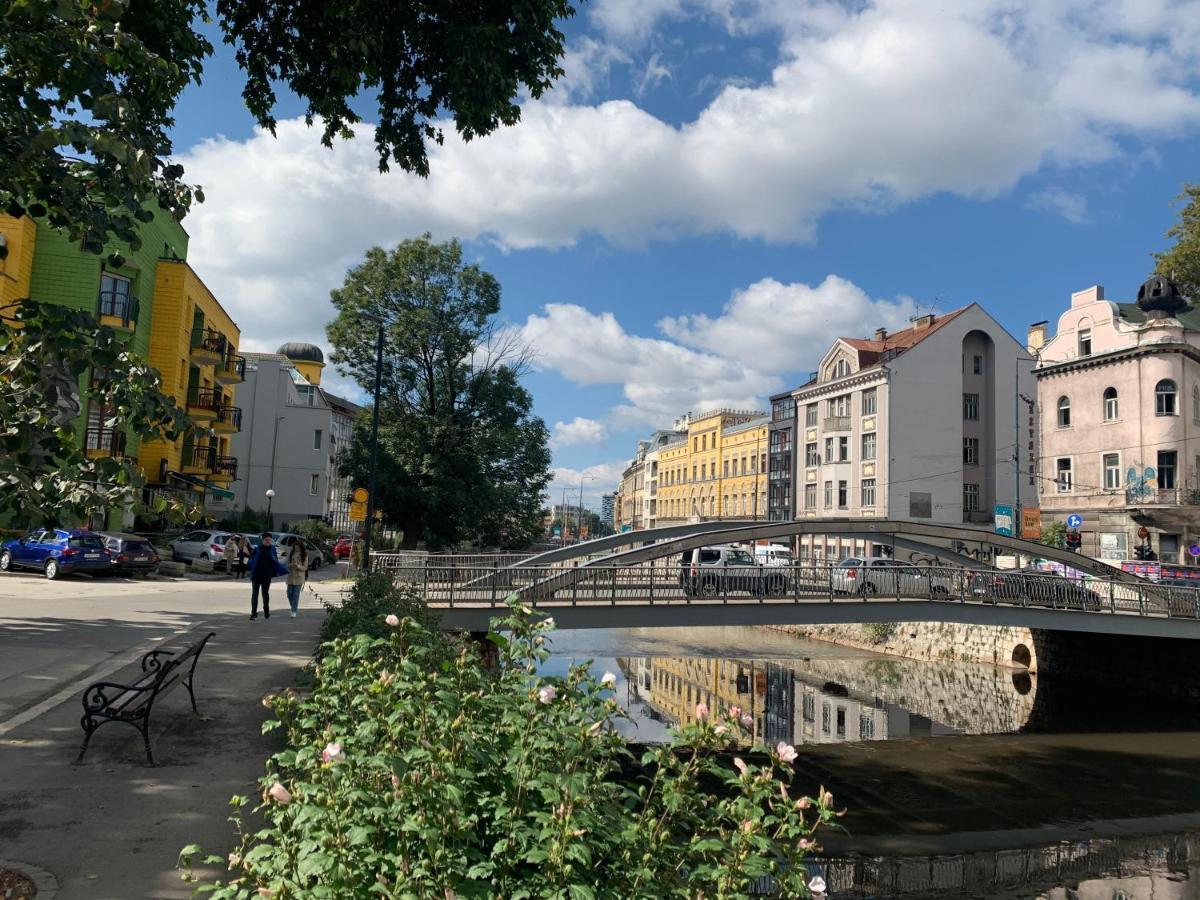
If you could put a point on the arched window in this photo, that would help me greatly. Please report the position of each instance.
(842, 369)
(1110, 404)
(1164, 398)
(1064, 412)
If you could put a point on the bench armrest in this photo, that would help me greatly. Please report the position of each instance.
(151, 661)
(99, 696)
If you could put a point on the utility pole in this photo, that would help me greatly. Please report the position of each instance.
(374, 450)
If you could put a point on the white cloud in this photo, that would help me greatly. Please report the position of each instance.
(653, 74)
(603, 478)
(578, 431)
(1072, 207)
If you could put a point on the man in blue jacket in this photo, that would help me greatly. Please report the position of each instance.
(264, 565)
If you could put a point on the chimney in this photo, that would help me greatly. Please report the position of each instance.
(1036, 338)
(920, 323)
(880, 334)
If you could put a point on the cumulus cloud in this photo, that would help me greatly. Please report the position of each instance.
(1072, 207)
(597, 480)
(578, 431)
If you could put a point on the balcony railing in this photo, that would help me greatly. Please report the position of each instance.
(121, 306)
(1148, 496)
(203, 458)
(837, 423)
(230, 416)
(233, 367)
(208, 340)
(227, 465)
(104, 440)
(208, 399)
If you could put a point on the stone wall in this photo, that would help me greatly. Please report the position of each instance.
(937, 641)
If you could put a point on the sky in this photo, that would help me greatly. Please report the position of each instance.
(716, 189)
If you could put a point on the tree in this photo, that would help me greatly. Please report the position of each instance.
(87, 88)
(1054, 535)
(1181, 263)
(46, 476)
(461, 455)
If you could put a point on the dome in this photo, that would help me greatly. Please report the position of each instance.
(1160, 294)
(300, 352)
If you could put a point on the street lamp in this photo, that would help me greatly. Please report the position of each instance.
(379, 322)
(579, 521)
(270, 520)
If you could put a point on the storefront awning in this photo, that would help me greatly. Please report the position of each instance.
(214, 489)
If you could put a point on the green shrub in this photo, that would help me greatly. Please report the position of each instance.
(879, 632)
(412, 771)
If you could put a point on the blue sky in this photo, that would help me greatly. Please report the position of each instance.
(716, 189)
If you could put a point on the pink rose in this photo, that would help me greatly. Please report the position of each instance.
(747, 720)
(740, 765)
(333, 753)
(701, 711)
(735, 711)
(609, 680)
(787, 753)
(279, 794)
(392, 619)
(547, 694)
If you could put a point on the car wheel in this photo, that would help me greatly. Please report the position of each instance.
(709, 588)
(51, 569)
(5, 561)
(939, 590)
(866, 589)
(776, 587)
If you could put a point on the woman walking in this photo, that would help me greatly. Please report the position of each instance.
(232, 554)
(264, 565)
(244, 551)
(297, 566)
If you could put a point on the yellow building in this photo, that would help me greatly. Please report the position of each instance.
(677, 684)
(718, 472)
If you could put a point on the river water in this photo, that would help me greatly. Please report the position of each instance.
(959, 779)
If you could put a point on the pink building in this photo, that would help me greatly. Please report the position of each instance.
(1119, 401)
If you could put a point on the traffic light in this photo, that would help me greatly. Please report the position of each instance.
(1073, 540)
(1141, 551)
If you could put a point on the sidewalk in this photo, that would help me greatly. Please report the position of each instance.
(112, 827)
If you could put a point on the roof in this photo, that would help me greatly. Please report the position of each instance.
(302, 352)
(747, 426)
(1189, 318)
(335, 400)
(872, 351)
(278, 357)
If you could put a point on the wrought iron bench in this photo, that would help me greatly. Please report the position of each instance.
(163, 671)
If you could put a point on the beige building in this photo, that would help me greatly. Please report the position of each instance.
(1119, 394)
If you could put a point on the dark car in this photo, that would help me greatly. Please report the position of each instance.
(57, 551)
(712, 571)
(131, 554)
(1034, 587)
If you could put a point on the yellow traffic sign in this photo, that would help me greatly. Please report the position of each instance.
(359, 495)
(358, 512)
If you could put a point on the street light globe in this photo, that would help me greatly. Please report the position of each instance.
(270, 493)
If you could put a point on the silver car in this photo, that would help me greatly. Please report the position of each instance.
(285, 539)
(202, 544)
(890, 577)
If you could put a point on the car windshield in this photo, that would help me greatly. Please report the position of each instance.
(86, 542)
(782, 554)
(139, 547)
(741, 558)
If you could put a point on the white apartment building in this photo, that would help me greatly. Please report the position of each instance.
(921, 424)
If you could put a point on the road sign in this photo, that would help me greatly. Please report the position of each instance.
(1074, 520)
(359, 495)
(557, 530)
(1004, 519)
(1194, 550)
(358, 512)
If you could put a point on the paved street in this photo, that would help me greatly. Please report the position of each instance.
(113, 826)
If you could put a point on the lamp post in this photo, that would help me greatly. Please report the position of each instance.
(374, 443)
(579, 521)
(270, 498)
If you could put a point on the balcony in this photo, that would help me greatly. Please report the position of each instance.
(226, 469)
(232, 369)
(104, 442)
(204, 403)
(199, 460)
(209, 347)
(228, 420)
(1148, 496)
(836, 423)
(118, 310)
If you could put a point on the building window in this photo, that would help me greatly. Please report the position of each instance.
(868, 492)
(812, 456)
(314, 482)
(841, 369)
(1064, 412)
(1112, 471)
(868, 446)
(1164, 398)
(1085, 342)
(317, 439)
(844, 448)
(1110, 404)
(704, 442)
(829, 450)
(695, 445)
(1196, 404)
(977, 367)
(828, 494)
(970, 498)
(868, 402)
(783, 409)
(970, 451)
(810, 496)
(810, 416)
(725, 469)
(1062, 475)
(693, 471)
(971, 407)
(843, 494)
(1166, 470)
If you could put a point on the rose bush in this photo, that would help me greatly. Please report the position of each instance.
(411, 770)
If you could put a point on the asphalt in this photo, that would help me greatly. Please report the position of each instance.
(113, 826)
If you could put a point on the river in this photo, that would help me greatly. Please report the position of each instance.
(959, 779)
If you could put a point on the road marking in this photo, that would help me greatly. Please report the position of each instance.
(97, 673)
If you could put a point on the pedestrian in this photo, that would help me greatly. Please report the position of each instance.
(264, 565)
(232, 553)
(245, 548)
(297, 566)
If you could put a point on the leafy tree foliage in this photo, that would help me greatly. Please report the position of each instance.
(461, 456)
(1055, 535)
(1181, 263)
(87, 88)
(46, 477)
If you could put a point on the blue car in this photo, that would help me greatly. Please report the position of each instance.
(57, 551)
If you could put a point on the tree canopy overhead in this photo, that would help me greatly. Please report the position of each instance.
(461, 455)
(1181, 263)
(87, 88)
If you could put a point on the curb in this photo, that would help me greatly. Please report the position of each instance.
(45, 883)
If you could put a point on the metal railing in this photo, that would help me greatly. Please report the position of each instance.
(1146, 496)
(235, 365)
(199, 457)
(205, 398)
(227, 465)
(209, 340)
(486, 581)
(836, 423)
(121, 306)
(105, 440)
(229, 415)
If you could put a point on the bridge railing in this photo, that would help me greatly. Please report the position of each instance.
(667, 581)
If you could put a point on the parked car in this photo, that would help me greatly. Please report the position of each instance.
(712, 571)
(342, 547)
(773, 555)
(885, 576)
(285, 539)
(202, 544)
(1033, 586)
(131, 553)
(57, 551)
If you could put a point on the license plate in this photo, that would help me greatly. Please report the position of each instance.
(140, 558)
(91, 556)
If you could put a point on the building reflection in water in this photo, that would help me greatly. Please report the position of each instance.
(814, 701)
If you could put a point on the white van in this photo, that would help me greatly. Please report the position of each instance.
(773, 555)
